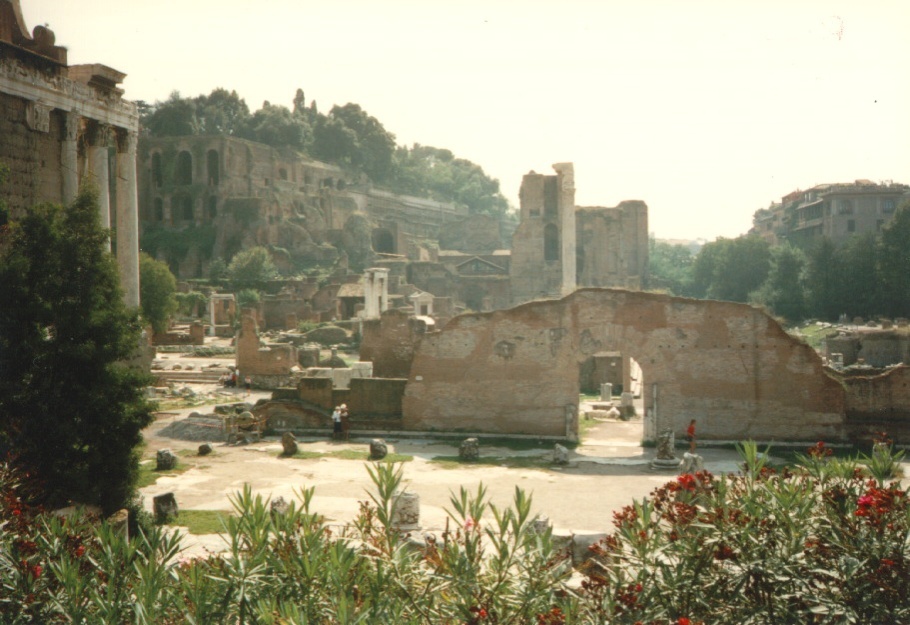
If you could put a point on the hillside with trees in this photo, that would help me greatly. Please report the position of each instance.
(346, 136)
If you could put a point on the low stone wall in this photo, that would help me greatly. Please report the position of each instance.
(879, 403)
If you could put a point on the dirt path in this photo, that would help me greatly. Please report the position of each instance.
(605, 473)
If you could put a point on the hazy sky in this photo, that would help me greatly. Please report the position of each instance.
(705, 110)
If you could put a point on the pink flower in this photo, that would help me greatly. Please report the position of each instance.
(469, 524)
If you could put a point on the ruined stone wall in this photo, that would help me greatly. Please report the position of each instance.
(879, 403)
(613, 245)
(390, 343)
(476, 233)
(253, 359)
(729, 366)
(32, 157)
(538, 243)
(877, 349)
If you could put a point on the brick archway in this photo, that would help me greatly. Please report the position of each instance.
(730, 366)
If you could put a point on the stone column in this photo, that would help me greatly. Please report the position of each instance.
(566, 173)
(128, 216)
(99, 171)
(69, 157)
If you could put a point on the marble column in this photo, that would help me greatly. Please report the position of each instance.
(69, 157)
(99, 171)
(566, 199)
(127, 216)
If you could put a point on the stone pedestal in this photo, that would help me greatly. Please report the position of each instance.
(665, 460)
(606, 391)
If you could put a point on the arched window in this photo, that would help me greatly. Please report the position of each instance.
(213, 207)
(551, 242)
(550, 197)
(184, 171)
(159, 210)
(383, 241)
(156, 170)
(211, 166)
(186, 208)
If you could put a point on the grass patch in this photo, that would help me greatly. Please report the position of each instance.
(201, 521)
(519, 462)
(148, 474)
(812, 333)
(349, 454)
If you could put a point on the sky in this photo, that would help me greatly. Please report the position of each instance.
(706, 110)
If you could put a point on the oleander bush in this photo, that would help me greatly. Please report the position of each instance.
(825, 541)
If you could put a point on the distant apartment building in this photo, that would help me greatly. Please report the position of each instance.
(836, 211)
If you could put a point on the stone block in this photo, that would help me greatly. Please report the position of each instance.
(378, 449)
(288, 444)
(279, 506)
(205, 449)
(119, 522)
(560, 454)
(406, 511)
(469, 449)
(165, 460)
(165, 506)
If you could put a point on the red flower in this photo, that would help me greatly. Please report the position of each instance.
(36, 571)
(80, 551)
(686, 481)
(683, 621)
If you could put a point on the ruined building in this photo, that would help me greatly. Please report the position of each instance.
(559, 246)
(223, 194)
(62, 125)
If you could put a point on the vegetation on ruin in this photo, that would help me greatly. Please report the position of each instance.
(173, 245)
(251, 268)
(867, 276)
(157, 292)
(71, 410)
(346, 136)
(814, 543)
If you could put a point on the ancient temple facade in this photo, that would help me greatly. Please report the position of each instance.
(62, 125)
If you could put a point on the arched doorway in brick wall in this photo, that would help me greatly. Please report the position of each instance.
(729, 366)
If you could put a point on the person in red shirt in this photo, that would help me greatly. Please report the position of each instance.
(690, 436)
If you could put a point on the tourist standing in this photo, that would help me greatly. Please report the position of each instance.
(336, 423)
(690, 436)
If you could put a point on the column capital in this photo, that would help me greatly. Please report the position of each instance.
(99, 134)
(127, 141)
(72, 125)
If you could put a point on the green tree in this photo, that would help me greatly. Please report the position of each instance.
(157, 292)
(276, 126)
(670, 267)
(70, 409)
(221, 112)
(252, 267)
(174, 117)
(731, 269)
(374, 144)
(894, 264)
(784, 290)
(824, 277)
(859, 291)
